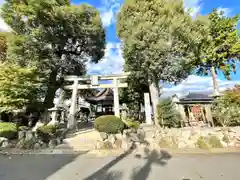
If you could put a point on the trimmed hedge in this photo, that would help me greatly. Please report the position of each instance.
(8, 130)
(109, 124)
(46, 132)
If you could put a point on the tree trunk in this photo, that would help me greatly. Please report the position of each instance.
(215, 83)
(154, 93)
(52, 88)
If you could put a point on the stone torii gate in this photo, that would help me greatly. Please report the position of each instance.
(93, 83)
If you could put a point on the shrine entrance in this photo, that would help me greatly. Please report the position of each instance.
(94, 82)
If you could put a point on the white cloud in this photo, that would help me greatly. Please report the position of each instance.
(109, 10)
(197, 84)
(112, 63)
(226, 11)
(194, 5)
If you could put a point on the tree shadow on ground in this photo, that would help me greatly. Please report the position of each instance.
(103, 173)
(139, 173)
(152, 157)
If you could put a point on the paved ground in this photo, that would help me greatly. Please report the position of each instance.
(129, 166)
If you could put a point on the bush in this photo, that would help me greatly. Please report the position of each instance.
(8, 130)
(109, 124)
(202, 143)
(226, 109)
(132, 124)
(46, 132)
(214, 142)
(167, 114)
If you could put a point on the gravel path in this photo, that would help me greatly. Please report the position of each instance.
(129, 166)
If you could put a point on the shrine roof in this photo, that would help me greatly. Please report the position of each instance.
(196, 98)
(105, 95)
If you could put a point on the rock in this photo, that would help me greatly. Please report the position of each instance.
(224, 144)
(5, 144)
(141, 135)
(99, 144)
(59, 141)
(20, 144)
(29, 135)
(44, 146)
(191, 144)
(2, 139)
(231, 144)
(21, 134)
(37, 146)
(119, 136)
(186, 134)
(126, 144)
(112, 138)
(103, 145)
(182, 144)
(117, 144)
(103, 135)
(52, 143)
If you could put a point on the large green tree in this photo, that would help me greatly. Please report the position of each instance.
(160, 41)
(221, 48)
(56, 37)
(18, 87)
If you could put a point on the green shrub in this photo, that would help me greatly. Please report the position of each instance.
(109, 124)
(132, 124)
(167, 114)
(46, 132)
(8, 130)
(214, 142)
(202, 143)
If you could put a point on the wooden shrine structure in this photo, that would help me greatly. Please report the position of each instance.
(103, 101)
(195, 109)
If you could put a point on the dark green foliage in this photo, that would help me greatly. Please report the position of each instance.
(221, 47)
(215, 142)
(56, 37)
(167, 114)
(8, 130)
(46, 132)
(109, 124)
(226, 109)
(18, 86)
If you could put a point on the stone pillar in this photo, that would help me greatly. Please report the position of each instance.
(147, 107)
(72, 111)
(209, 114)
(183, 114)
(116, 98)
(54, 117)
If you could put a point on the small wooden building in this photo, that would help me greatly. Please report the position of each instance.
(195, 109)
(103, 102)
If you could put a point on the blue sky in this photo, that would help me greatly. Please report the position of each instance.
(112, 62)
